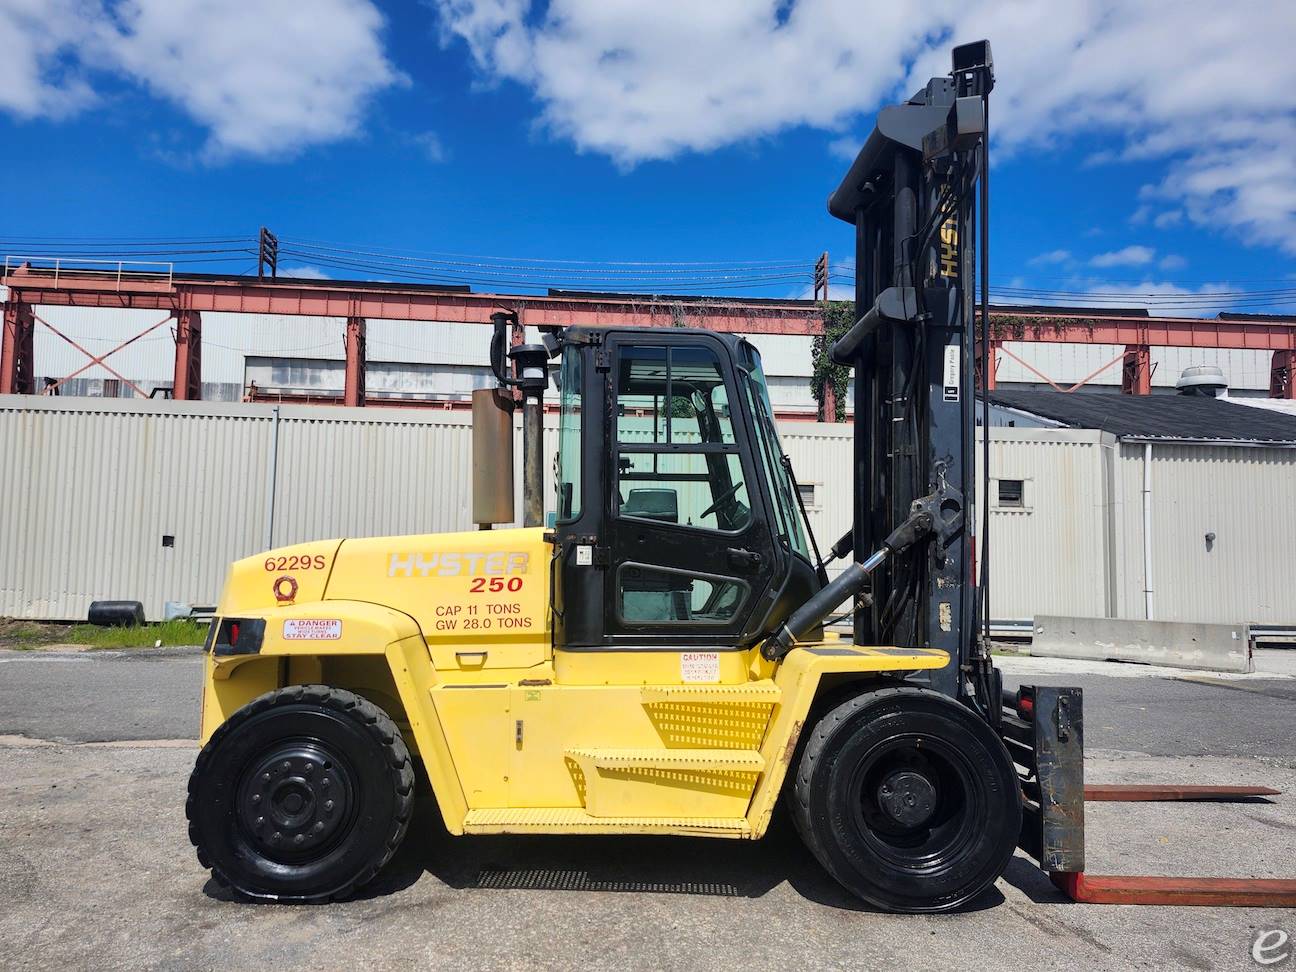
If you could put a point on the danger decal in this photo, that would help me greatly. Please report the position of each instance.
(312, 629)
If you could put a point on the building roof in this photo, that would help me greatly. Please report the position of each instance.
(1153, 416)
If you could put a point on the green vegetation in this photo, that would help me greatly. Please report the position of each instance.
(838, 316)
(34, 634)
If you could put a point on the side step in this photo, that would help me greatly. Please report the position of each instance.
(574, 820)
(762, 691)
(672, 784)
(739, 760)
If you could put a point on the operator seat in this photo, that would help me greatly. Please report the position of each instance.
(652, 504)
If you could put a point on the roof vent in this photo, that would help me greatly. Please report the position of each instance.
(1205, 380)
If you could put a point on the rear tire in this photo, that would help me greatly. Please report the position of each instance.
(908, 799)
(302, 795)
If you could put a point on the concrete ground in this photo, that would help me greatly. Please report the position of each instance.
(96, 868)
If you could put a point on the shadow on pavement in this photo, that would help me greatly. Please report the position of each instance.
(618, 863)
(1027, 878)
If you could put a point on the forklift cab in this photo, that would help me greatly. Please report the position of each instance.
(677, 522)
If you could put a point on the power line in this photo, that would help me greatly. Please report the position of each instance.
(541, 260)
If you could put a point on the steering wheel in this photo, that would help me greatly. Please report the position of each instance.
(720, 500)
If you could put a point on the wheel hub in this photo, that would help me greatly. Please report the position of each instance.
(907, 797)
(295, 802)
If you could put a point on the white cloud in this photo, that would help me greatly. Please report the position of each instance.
(846, 147)
(1051, 257)
(304, 272)
(1165, 298)
(36, 35)
(836, 291)
(1129, 256)
(640, 81)
(265, 79)
(430, 144)
(1168, 219)
(1172, 261)
(1158, 297)
(649, 81)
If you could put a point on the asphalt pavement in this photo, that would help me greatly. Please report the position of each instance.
(96, 868)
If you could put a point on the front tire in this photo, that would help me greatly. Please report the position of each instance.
(908, 799)
(302, 795)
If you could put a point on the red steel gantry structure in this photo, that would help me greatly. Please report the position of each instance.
(184, 299)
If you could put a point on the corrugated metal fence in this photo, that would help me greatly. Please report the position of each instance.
(150, 500)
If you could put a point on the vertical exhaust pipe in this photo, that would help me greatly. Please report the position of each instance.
(492, 457)
(534, 371)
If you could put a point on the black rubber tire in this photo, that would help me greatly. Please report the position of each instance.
(316, 730)
(940, 863)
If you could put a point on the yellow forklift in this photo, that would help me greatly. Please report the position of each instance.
(656, 661)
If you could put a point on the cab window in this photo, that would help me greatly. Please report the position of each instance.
(569, 435)
(677, 460)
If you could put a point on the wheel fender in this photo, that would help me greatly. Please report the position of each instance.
(325, 628)
(798, 679)
(349, 628)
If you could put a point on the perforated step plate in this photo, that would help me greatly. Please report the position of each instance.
(763, 691)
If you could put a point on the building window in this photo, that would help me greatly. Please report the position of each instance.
(809, 495)
(1012, 494)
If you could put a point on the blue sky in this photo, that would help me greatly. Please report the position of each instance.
(592, 131)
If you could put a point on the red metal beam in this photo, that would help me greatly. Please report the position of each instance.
(408, 302)
(354, 390)
(992, 364)
(187, 385)
(1152, 793)
(1136, 375)
(359, 299)
(1008, 324)
(17, 349)
(828, 408)
(1207, 892)
(1282, 375)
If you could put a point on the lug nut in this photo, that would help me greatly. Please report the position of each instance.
(299, 839)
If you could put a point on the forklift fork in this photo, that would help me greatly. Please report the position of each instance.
(1043, 728)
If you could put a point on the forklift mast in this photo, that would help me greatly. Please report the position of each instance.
(910, 196)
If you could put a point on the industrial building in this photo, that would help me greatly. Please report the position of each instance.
(1141, 505)
(212, 338)
(1108, 506)
(303, 359)
(1165, 507)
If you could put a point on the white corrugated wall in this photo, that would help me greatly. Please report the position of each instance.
(1246, 497)
(93, 485)
(1050, 555)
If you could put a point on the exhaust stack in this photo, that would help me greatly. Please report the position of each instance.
(492, 452)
